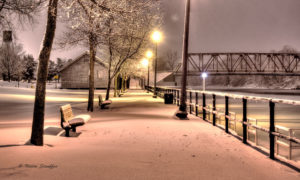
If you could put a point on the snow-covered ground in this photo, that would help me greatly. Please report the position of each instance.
(137, 138)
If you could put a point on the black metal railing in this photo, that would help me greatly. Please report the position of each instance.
(249, 125)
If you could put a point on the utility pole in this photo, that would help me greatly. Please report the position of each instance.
(182, 113)
(148, 80)
(155, 72)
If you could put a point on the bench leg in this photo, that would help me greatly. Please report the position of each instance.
(67, 132)
(74, 129)
(104, 106)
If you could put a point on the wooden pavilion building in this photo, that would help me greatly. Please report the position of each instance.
(75, 74)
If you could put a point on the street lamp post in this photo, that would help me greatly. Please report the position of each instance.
(155, 72)
(145, 63)
(156, 37)
(182, 113)
(148, 79)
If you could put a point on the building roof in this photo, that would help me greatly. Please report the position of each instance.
(86, 53)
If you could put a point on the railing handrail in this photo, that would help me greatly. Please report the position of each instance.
(238, 96)
(282, 128)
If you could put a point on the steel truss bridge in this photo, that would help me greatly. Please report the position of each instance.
(275, 64)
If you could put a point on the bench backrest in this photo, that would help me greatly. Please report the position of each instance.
(100, 99)
(66, 113)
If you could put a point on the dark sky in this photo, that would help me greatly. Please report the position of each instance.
(235, 25)
(216, 25)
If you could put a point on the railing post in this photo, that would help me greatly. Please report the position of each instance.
(214, 109)
(272, 129)
(204, 106)
(191, 95)
(178, 97)
(174, 96)
(244, 121)
(226, 113)
(196, 106)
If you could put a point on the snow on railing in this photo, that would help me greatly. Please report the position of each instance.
(238, 96)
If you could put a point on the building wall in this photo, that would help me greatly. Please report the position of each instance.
(76, 75)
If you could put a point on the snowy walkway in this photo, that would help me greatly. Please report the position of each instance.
(137, 138)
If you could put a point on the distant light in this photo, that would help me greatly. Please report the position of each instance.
(149, 54)
(204, 75)
(145, 62)
(156, 36)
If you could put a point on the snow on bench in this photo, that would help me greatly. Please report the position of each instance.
(69, 121)
(103, 104)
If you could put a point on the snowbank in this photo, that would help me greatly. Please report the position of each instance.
(22, 84)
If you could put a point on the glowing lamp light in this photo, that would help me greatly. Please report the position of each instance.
(149, 54)
(156, 36)
(204, 75)
(145, 62)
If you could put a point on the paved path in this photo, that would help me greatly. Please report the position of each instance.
(137, 138)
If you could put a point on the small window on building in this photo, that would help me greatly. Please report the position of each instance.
(100, 74)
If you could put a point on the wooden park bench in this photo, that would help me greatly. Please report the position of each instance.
(69, 121)
(103, 104)
(119, 93)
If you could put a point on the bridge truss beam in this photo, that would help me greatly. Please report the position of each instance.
(282, 64)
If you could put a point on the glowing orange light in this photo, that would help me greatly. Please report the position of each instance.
(149, 54)
(156, 36)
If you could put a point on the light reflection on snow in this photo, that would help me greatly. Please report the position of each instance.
(80, 99)
(31, 97)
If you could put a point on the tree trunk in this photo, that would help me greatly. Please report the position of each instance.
(109, 81)
(123, 84)
(8, 75)
(8, 60)
(40, 92)
(8, 69)
(109, 71)
(108, 89)
(116, 85)
(92, 40)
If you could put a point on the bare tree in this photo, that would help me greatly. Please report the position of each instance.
(118, 25)
(40, 92)
(288, 49)
(171, 59)
(17, 75)
(10, 60)
(39, 104)
(10, 10)
(84, 19)
(128, 35)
